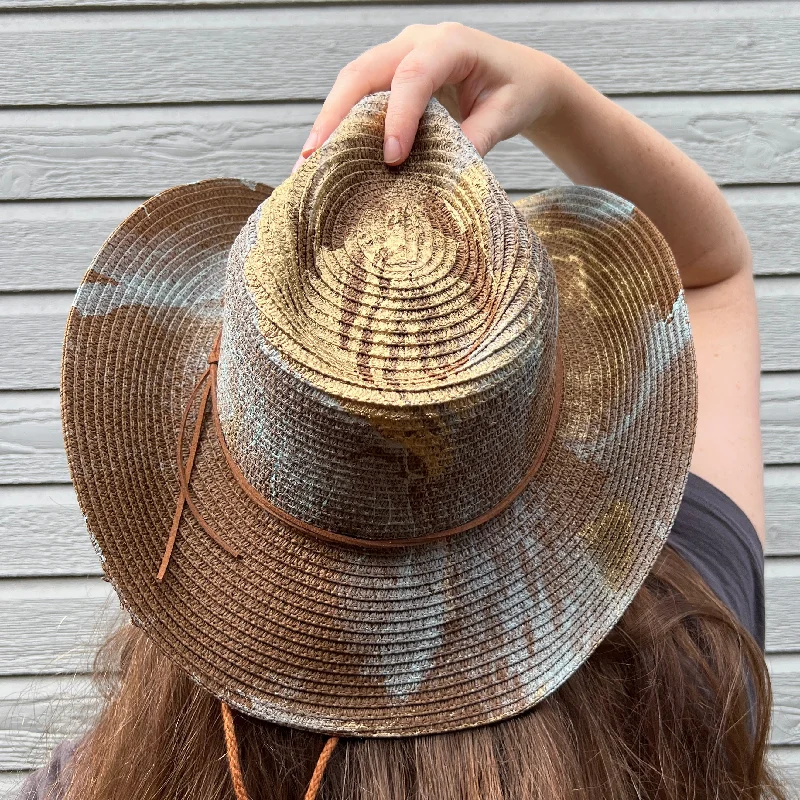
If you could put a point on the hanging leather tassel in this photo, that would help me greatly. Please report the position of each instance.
(185, 472)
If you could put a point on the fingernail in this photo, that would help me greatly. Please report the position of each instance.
(310, 145)
(297, 164)
(391, 150)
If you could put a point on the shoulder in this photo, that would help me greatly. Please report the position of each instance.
(727, 448)
(718, 539)
(44, 783)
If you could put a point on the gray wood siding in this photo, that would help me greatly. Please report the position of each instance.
(106, 102)
(113, 57)
(112, 152)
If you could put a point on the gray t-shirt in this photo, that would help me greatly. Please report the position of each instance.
(717, 538)
(710, 532)
(37, 784)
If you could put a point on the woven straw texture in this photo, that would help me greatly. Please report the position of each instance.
(387, 370)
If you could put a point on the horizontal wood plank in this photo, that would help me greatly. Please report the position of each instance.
(262, 54)
(782, 499)
(786, 761)
(11, 783)
(782, 581)
(99, 5)
(42, 531)
(53, 625)
(138, 151)
(31, 444)
(780, 416)
(27, 231)
(779, 312)
(38, 712)
(35, 323)
(768, 214)
(785, 674)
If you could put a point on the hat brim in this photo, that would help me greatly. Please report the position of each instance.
(341, 640)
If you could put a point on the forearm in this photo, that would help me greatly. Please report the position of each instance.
(596, 142)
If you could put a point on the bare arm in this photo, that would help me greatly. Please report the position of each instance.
(596, 142)
(497, 89)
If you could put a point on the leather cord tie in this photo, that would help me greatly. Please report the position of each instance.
(206, 387)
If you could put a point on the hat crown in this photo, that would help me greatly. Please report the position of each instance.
(388, 348)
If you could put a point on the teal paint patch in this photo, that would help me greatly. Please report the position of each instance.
(618, 207)
(398, 630)
(666, 339)
(147, 291)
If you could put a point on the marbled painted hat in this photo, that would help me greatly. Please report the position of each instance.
(379, 452)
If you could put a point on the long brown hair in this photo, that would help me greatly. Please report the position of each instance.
(674, 704)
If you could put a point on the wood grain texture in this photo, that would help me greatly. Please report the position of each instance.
(37, 713)
(785, 674)
(42, 532)
(780, 417)
(35, 324)
(28, 261)
(53, 626)
(786, 760)
(10, 784)
(782, 580)
(31, 444)
(138, 151)
(262, 54)
(779, 313)
(769, 216)
(782, 498)
(50, 245)
(21, 5)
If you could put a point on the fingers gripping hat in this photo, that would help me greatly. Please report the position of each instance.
(379, 452)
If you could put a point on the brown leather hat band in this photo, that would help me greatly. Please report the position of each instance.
(208, 384)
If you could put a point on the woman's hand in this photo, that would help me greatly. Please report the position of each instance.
(494, 88)
(497, 89)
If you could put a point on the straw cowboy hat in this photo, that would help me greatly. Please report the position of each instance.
(379, 452)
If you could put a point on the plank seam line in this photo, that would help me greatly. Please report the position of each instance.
(306, 101)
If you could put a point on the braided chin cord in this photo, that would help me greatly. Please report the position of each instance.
(319, 770)
(232, 746)
(235, 767)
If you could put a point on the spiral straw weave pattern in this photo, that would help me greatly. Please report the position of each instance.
(328, 423)
(378, 323)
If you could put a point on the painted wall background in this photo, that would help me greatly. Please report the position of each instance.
(106, 102)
